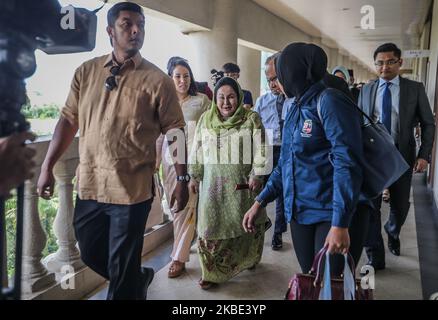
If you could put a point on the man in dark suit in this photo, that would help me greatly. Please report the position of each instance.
(400, 104)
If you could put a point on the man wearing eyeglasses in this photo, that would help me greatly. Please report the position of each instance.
(232, 70)
(120, 103)
(399, 104)
(270, 108)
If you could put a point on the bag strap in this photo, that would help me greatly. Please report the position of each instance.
(349, 280)
(317, 265)
(317, 260)
(318, 107)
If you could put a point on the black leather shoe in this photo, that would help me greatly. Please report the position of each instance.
(277, 242)
(393, 244)
(147, 277)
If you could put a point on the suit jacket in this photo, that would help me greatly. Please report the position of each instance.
(414, 108)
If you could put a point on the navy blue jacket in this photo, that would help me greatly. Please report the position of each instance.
(319, 170)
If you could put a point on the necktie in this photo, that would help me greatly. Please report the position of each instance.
(279, 105)
(387, 107)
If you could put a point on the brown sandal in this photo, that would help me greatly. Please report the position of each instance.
(205, 285)
(176, 269)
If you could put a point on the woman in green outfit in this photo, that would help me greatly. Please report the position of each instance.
(227, 165)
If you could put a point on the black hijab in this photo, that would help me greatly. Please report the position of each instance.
(299, 66)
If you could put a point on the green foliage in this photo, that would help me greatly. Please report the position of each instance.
(46, 111)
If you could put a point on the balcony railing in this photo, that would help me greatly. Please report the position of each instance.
(63, 275)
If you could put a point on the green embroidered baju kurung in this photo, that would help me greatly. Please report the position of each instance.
(220, 162)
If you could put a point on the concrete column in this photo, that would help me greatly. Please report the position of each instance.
(218, 46)
(425, 44)
(340, 61)
(365, 74)
(350, 64)
(334, 53)
(357, 73)
(360, 74)
(35, 276)
(347, 62)
(249, 61)
(67, 255)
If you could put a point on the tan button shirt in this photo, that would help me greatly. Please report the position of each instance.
(118, 129)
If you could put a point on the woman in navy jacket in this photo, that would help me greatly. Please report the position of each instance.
(319, 171)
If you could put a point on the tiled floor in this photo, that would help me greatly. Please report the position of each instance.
(400, 280)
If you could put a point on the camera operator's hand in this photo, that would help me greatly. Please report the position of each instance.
(16, 162)
(46, 183)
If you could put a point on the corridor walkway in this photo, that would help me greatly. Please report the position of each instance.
(401, 279)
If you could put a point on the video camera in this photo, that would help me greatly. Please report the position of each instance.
(216, 76)
(27, 25)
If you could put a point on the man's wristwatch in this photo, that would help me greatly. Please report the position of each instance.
(185, 178)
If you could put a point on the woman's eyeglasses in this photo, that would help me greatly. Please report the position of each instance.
(110, 82)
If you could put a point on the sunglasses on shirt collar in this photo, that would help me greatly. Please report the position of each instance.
(110, 82)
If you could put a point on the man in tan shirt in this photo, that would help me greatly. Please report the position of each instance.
(120, 103)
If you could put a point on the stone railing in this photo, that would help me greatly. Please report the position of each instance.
(63, 275)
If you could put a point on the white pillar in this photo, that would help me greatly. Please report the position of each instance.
(67, 254)
(249, 61)
(35, 276)
(360, 73)
(340, 61)
(364, 74)
(218, 46)
(347, 62)
(334, 53)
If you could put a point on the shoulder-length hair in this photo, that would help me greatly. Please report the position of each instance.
(193, 90)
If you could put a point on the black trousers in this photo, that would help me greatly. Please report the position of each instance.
(280, 219)
(308, 240)
(374, 241)
(399, 207)
(110, 239)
